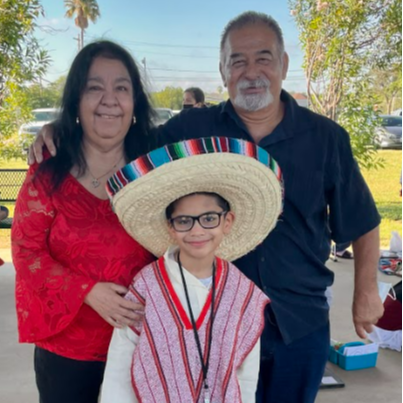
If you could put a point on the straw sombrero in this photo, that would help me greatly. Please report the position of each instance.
(239, 171)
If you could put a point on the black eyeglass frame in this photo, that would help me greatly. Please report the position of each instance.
(197, 218)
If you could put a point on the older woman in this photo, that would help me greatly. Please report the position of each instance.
(73, 259)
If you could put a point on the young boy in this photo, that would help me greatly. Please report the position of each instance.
(199, 340)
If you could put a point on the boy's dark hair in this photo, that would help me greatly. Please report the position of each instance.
(219, 199)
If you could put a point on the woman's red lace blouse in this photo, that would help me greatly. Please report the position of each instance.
(63, 244)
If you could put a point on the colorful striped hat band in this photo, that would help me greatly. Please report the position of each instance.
(239, 171)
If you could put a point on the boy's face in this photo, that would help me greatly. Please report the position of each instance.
(200, 243)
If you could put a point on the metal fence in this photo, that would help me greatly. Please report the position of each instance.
(11, 181)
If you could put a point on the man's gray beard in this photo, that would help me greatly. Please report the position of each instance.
(253, 102)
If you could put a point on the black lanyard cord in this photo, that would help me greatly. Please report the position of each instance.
(205, 365)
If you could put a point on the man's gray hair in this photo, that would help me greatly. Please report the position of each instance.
(253, 18)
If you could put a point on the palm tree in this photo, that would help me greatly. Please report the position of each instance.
(84, 10)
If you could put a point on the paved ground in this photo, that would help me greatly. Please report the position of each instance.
(373, 385)
(377, 385)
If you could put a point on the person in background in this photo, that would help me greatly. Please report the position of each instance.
(342, 250)
(388, 330)
(193, 97)
(3, 213)
(73, 259)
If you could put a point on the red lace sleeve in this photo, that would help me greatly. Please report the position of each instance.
(48, 295)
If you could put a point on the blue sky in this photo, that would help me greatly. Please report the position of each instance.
(179, 39)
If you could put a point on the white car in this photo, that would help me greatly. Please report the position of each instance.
(41, 117)
(162, 116)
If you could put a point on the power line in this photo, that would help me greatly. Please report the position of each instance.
(200, 80)
(186, 71)
(154, 44)
(205, 71)
(166, 45)
(172, 46)
(211, 78)
(176, 55)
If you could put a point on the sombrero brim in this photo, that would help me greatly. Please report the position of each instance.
(251, 187)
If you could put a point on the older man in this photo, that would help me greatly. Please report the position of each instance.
(325, 198)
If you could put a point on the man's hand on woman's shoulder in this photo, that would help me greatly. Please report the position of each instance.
(43, 138)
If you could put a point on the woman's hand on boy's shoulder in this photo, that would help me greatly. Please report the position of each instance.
(107, 299)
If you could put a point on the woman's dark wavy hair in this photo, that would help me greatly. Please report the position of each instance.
(68, 134)
(197, 94)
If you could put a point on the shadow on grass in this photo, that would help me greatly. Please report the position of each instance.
(390, 210)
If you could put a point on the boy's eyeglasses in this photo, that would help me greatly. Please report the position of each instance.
(184, 223)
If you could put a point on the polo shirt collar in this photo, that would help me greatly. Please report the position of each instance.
(284, 130)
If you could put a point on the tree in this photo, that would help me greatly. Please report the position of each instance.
(39, 96)
(169, 97)
(391, 24)
(21, 57)
(21, 60)
(14, 112)
(84, 10)
(343, 41)
(386, 86)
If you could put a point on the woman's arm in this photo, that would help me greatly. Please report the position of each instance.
(248, 374)
(117, 385)
(48, 295)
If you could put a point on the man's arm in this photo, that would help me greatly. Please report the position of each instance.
(180, 127)
(159, 137)
(367, 304)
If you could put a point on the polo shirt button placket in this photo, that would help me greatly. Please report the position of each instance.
(262, 261)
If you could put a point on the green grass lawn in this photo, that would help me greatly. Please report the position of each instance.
(13, 164)
(384, 185)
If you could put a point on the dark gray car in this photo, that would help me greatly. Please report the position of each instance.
(389, 135)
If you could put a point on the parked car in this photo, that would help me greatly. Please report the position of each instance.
(389, 135)
(162, 115)
(41, 117)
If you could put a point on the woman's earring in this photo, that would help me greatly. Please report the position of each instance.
(134, 120)
(77, 120)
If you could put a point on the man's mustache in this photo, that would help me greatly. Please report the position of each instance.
(258, 83)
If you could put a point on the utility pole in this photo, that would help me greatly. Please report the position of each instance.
(78, 42)
(144, 62)
(82, 39)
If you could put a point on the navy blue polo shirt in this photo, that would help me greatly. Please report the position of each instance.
(326, 198)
